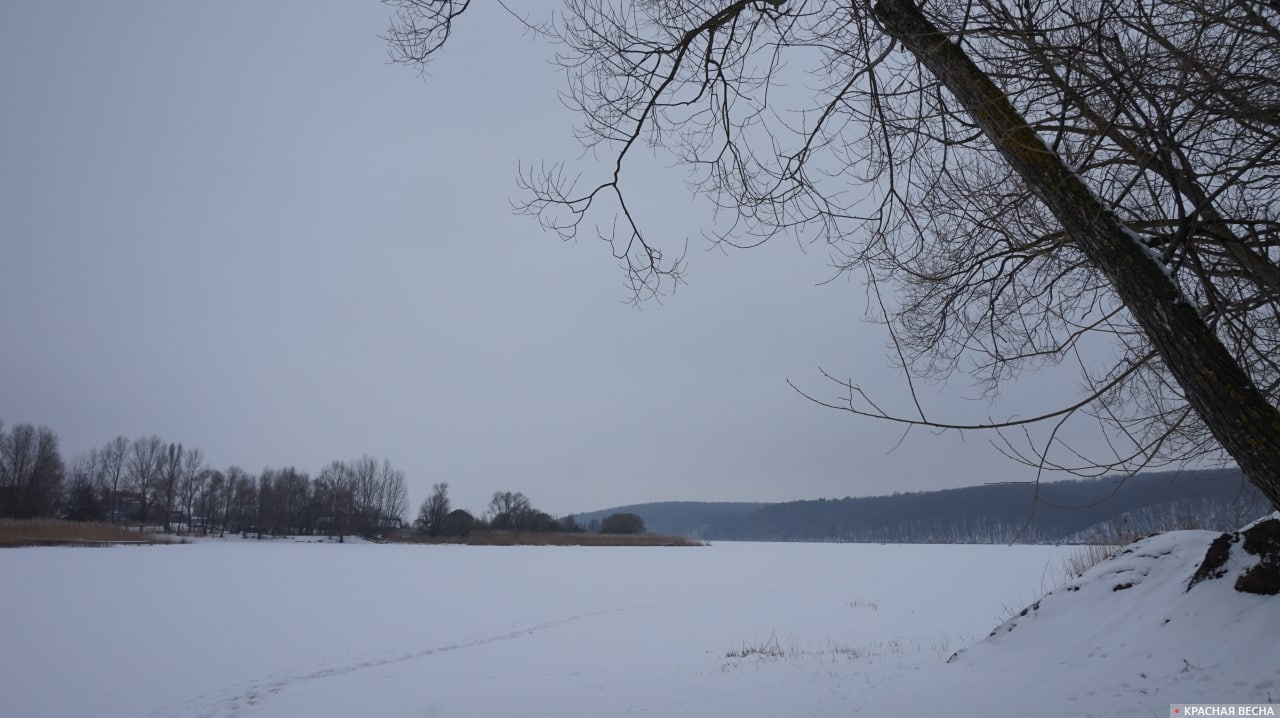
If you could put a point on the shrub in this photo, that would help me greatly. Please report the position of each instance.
(622, 523)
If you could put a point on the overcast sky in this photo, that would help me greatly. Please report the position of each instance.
(235, 225)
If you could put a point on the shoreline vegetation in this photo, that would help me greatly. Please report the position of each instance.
(16, 533)
(552, 538)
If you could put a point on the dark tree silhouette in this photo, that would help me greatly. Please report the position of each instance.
(1022, 180)
(434, 512)
(113, 456)
(146, 455)
(510, 511)
(31, 472)
(87, 496)
(622, 523)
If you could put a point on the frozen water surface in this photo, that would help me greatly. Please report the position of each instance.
(277, 628)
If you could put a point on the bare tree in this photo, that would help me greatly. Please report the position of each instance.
(320, 504)
(191, 482)
(31, 472)
(267, 517)
(283, 498)
(210, 500)
(377, 493)
(242, 511)
(394, 492)
(112, 458)
(295, 495)
(509, 510)
(234, 481)
(87, 493)
(1139, 249)
(170, 476)
(144, 465)
(434, 510)
(336, 486)
(1038, 179)
(366, 493)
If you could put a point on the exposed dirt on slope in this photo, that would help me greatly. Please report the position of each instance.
(1257, 547)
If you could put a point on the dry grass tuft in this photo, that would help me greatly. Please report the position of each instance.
(766, 649)
(55, 532)
(1102, 548)
(525, 538)
(772, 648)
(863, 603)
(1085, 558)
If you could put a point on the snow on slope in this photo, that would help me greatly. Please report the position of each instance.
(1125, 639)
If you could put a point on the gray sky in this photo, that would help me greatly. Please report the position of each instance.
(235, 225)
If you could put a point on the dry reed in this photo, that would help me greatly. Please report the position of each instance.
(55, 532)
(527, 538)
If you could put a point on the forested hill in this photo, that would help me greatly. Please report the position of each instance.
(1064, 511)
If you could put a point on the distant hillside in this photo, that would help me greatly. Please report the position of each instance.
(696, 519)
(1064, 511)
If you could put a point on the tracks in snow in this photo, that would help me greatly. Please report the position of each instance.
(248, 697)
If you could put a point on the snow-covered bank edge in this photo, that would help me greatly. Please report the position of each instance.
(1130, 636)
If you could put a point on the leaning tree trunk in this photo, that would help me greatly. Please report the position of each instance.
(1240, 417)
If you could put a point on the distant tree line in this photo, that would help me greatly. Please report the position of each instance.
(1084, 511)
(167, 486)
(1052, 512)
(508, 511)
(148, 482)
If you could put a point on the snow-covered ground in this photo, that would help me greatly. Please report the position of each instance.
(290, 629)
(1126, 639)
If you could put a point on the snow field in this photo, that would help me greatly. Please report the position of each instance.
(277, 628)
